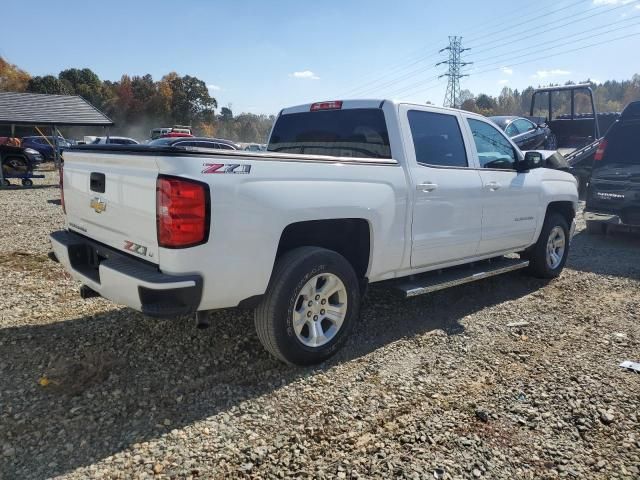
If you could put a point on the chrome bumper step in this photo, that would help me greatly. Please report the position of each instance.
(450, 277)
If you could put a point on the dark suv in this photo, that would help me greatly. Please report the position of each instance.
(613, 197)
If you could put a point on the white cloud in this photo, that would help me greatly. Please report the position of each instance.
(213, 87)
(550, 73)
(507, 70)
(305, 75)
(504, 81)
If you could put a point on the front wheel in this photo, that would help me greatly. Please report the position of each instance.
(549, 254)
(310, 306)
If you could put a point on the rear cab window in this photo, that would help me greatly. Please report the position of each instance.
(437, 139)
(351, 132)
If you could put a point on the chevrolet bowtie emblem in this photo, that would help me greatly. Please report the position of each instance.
(98, 204)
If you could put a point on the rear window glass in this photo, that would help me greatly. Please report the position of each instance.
(437, 139)
(623, 144)
(355, 132)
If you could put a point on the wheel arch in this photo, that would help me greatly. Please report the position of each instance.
(350, 237)
(565, 208)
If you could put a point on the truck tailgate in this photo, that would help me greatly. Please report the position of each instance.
(112, 199)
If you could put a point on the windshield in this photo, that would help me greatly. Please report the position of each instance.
(357, 132)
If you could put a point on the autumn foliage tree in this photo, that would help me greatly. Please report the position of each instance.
(12, 79)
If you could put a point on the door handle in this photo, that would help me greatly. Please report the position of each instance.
(493, 186)
(426, 187)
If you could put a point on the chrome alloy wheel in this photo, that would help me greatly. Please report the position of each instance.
(320, 310)
(556, 245)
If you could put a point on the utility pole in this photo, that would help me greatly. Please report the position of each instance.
(455, 63)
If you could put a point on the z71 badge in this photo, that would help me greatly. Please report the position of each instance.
(135, 248)
(226, 168)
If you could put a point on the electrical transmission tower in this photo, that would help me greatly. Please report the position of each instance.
(452, 97)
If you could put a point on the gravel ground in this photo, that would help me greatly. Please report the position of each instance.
(510, 377)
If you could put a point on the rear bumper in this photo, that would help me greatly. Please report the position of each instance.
(607, 218)
(126, 280)
(610, 219)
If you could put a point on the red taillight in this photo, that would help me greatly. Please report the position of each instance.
(182, 212)
(335, 105)
(61, 173)
(602, 146)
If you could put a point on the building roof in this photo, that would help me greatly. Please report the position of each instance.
(43, 109)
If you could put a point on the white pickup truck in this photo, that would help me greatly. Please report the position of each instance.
(348, 193)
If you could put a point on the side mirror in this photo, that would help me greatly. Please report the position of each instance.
(531, 160)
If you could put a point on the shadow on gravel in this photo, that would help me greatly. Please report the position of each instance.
(114, 379)
(613, 254)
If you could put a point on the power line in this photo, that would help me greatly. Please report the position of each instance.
(562, 53)
(574, 20)
(399, 68)
(493, 57)
(484, 26)
(511, 27)
(388, 79)
(402, 66)
(570, 42)
(586, 36)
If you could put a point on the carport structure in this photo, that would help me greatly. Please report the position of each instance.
(52, 111)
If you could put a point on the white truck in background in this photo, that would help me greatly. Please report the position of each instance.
(348, 193)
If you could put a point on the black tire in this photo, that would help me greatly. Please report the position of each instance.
(27, 182)
(5, 182)
(596, 228)
(274, 316)
(15, 166)
(537, 254)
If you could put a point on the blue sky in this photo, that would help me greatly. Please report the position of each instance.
(259, 56)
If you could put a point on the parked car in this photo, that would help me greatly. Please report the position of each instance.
(44, 145)
(114, 141)
(526, 134)
(255, 147)
(199, 142)
(613, 195)
(348, 193)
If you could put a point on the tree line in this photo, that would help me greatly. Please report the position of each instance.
(138, 103)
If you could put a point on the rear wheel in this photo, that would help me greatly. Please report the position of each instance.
(549, 254)
(310, 306)
(16, 166)
(27, 182)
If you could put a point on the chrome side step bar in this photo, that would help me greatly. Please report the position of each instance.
(450, 277)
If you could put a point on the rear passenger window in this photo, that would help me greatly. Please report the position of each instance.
(437, 139)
